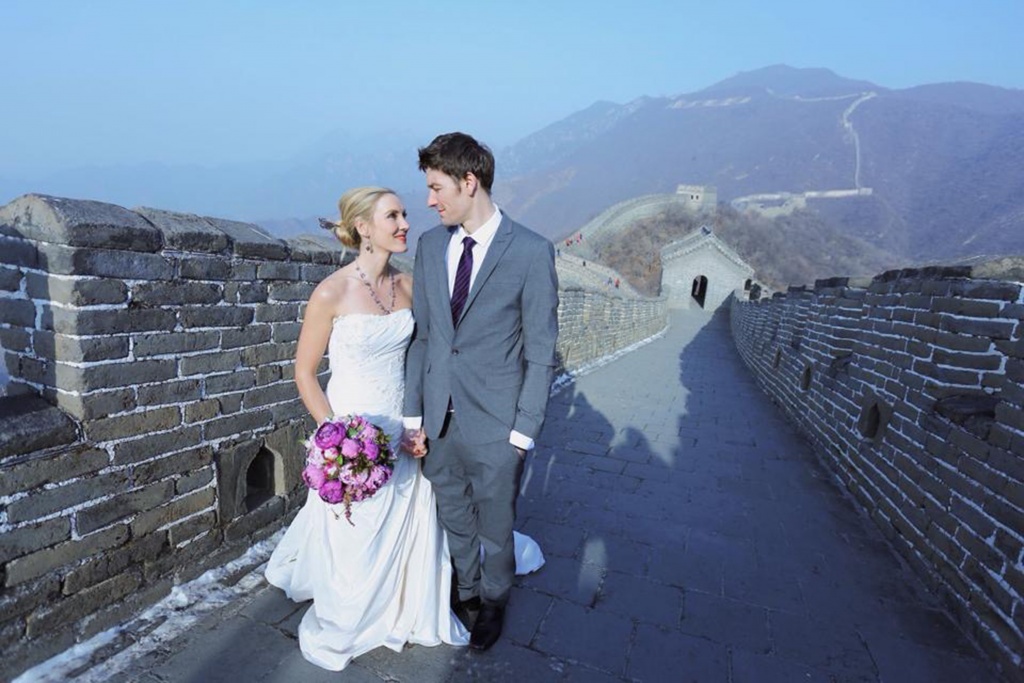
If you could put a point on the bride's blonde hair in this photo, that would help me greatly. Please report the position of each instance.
(359, 202)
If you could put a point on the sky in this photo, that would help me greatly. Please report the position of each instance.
(213, 82)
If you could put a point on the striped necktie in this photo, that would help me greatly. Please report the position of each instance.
(461, 289)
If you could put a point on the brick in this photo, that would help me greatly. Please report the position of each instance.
(246, 292)
(97, 404)
(194, 480)
(279, 271)
(41, 503)
(176, 293)
(228, 382)
(237, 424)
(274, 393)
(77, 291)
(111, 563)
(185, 231)
(268, 374)
(150, 446)
(124, 505)
(967, 307)
(207, 363)
(286, 332)
(20, 313)
(133, 424)
(214, 316)
(180, 391)
(945, 375)
(188, 529)
(15, 339)
(269, 353)
(79, 349)
(52, 468)
(992, 329)
(160, 516)
(289, 291)
(250, 335)
(123, 610)
(24, 597)
(202, 411)
(128, 265)
(243, 270)
(30, 538)
(248, 240)
(10, 279)
(175, 463)
(279, 312)
(19, 252)
(112, 375)
(318, 272)
(73, 608)
(203, 268)
(42, 561)
(988, 361)
(248, 523)
(96, 321)
(1004, 513)
(963, 342)
(163, 343)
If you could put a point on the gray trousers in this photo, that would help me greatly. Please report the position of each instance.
(476, 486)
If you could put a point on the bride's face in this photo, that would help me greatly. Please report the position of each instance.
(389, 229)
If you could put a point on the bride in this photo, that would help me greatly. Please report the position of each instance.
(385, 579)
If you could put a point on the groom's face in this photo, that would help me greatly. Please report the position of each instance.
(448, 197)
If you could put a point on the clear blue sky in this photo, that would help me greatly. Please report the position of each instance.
(214, 81)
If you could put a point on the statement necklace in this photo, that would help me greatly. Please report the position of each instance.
(376, 299)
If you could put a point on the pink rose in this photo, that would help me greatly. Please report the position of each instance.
(350, 448)
(328, 434)
(332, 491)
(313, 476)
(369, 433)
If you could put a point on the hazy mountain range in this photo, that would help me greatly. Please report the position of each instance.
(942, 163)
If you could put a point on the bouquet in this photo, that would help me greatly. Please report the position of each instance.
(348, 459)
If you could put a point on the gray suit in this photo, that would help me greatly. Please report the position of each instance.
(495, 370)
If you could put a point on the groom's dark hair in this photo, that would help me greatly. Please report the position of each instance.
(457, 154)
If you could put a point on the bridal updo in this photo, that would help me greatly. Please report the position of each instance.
(359, 202)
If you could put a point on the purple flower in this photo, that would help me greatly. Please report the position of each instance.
(350, 448)
(332, 491)
(329, 434)
(313, 476)
(350, 476)
(369, 433)
(330, 454)
(371, 450)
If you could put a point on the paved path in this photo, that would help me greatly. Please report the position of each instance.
(690, 536)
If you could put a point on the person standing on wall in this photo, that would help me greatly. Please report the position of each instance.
(478, 370)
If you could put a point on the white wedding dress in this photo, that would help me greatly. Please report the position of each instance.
(386, 580)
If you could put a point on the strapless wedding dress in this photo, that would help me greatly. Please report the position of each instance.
(385, 579)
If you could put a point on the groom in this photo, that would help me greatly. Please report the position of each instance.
(478, 370)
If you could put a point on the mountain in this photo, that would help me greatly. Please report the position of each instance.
(938, 166)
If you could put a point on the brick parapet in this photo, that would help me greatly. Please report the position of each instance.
(910, 388)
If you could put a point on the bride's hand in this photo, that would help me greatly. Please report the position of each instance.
(414, 441)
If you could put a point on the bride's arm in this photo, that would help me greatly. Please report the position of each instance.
(313, 337)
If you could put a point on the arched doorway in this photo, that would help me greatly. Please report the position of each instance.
(699, 290)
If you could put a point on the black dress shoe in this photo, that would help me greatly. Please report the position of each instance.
(487, 629)
(467, 611)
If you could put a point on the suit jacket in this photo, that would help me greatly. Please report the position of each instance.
(497, 364)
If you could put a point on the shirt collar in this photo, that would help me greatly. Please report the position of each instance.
(485, 233)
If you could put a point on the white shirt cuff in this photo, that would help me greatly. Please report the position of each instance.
(520, 441)
(412, 422)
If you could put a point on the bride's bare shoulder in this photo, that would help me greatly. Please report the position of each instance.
(333, 289)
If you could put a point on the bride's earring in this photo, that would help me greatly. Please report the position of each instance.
(369, 248)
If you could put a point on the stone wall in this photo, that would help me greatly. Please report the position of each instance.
(910, 386)
(151, 428)
(593, 324)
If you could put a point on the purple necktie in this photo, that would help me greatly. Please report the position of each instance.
(462, 273)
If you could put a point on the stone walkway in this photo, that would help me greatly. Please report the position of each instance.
(690, 535)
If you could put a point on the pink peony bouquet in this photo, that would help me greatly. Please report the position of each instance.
(348, 459)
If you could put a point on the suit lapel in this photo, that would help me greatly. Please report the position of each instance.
(502, 238)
